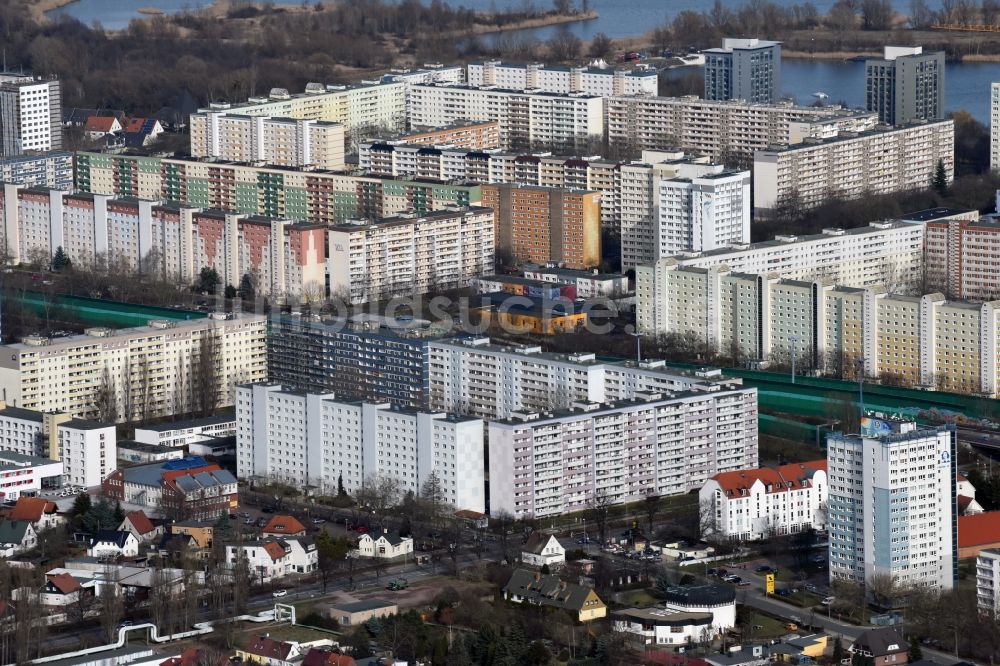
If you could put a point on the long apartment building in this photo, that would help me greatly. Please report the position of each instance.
(279, 141)
(314, 440)
(410, 254)
(882, 253)
(527, 118)
(603, 81)
(545, 464)
(916, 340)
(892, 512)
(546, 224)
(882, 160)
(475, 376)
(30, 114)
(363, 357)
(282, 192)
(467, 135)
(147, 372)
(367, 106)
(722, 129)
(282, 257)
(48, 169)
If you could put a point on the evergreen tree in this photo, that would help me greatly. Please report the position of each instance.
(838, 650)
(81, 505)
(209, 279)
(341, 492)
(940, 180)
(119, 513)
(915, 653)
(458, 654)
(60, 260)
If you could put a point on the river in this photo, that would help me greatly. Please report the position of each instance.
(967, 85)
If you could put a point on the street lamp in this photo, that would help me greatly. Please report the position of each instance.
(638, 346)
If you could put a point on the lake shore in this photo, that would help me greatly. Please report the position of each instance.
(539, 22)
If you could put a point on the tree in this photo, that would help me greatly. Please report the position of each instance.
(651, 505)
(111, 603)
(81, 505)
(379, 493)
(600, 46)
(230, 291)
(599, 511)
(330, 553)
(208, 280)
(432, 498)
(248, 287)
(940, 180)
(359, 641)
(205, 374)
(106, 398)
(60, 260)
(915, 653)
(838, 650)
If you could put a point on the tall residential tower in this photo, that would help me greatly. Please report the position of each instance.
(748, 69)
(905, 84)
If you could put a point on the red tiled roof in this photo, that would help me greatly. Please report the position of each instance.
(64, 583)
(31, 509)
(99, 124)
(781, 479)
(979, 530)
(963, 503)
(662, 658)
(320, 657)
(270, 648)
(286, 525)
(274, 549)
(140, 522)
(469, 514)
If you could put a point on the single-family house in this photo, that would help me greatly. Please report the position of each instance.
(61, 590)
(353, 613)
(885, 646)
(140, 526)
(267, 651)
(98, 126)
(266, 560)
(473, 519)
(541, 549)
(112, 544)
(529, 587)
(148, 128)
(201, 531)
(324, 656)
(384, 545)
(804, 649)
(659, 626)
(283, 526)
(16, 536)
(965, 496)
(41, 513)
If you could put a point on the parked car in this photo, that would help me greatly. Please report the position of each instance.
(583, 539)
(764, 568)
(279, 593)
(712, 572)
(360, 529)
(730, 578)
(398, 584)
(828, 601)
(267, 509)
(721, 573)
(319, 521)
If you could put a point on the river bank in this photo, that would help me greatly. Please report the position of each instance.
(538, 22)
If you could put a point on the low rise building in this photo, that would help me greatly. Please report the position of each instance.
(883, 645)
(589, 284)
(977, 533)
(658, 626)
(719, 601)
(22, 476)
(883, 160)
(16, 536)
(140, 526)
(112, 544)
(266, 651)
(521, 315)
(179, 434)
(351, 614)
(759, 503)
(543, 549)
(200, 532)
(139, 453)
(529, 587)
(562, 461)
(521, 286)
(41, 513)
(384, 545)
(184, 489)
(273, 559)
(283, 526)
(370, 260)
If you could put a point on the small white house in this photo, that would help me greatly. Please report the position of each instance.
(385, 545)
(16, 536)
(659, 626)
(543, 549)
(61, 590)
(113, 544)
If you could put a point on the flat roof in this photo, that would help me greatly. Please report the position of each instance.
(214, 419)
(813, 142)
(929, 214)
(400, 220)
(22, 414)
(365, 605)
(511, 91)
(85, 424)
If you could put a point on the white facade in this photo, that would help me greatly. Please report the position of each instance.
(384, 546)
(510, 379)
(410, 254)
(315, 440)
(278, 141)
(995, 125)
(151, 369)
(24, 474)
(892, 506)
(881, 161)
(589, 284)
(30, 114)
(659, 626)
(274, 558)
(112, 544)
(988, 579)
(756, 503)
(699, 213)
(179, 434)
(545, 551)
(88, 451)
(558, 79)
(526, 118)
(547, 464)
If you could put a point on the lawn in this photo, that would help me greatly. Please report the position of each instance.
(638, 598)
(287, 632)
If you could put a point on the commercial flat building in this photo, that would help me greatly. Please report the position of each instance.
(460, 136)
(602, 81)
(988, 581)
(905, 84)
(879, 161)
(550, 463)
(150, 371)
(474, 376)
(282, 257)
(20, 474)
(751, 504)
(724, 130)
(367, 107)
(995, 125)
(30, 114)
(181, 434)
(187, 489)
(315, 440)
(528, 119)
(280, 192)
(924, 341)
(47, 169)
(377, 359)
(886, 253)
(410, 254)
(589, 284)
(892, 505)
(543, 224)
(279, 141)
(748, 69)
(962, 256)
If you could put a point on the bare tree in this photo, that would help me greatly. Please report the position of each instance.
(127, 391)
(205, 373)
(599, 511)
(708, 522)
(884, 588)
(161, 595)
(379, 493)
(111, 603)
(29, 627)
(651, 506)
(106, 399)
